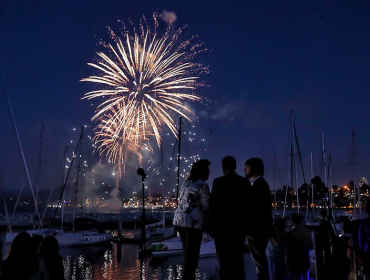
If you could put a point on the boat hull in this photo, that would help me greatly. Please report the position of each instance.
(173, 247)
(69, 239)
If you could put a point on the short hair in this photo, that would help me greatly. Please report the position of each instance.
(199, 170)
(256, 164)
(280, 224)
(229, 163)
(296, 218)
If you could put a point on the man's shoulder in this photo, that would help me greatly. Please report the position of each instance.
(217, 180)
(244, 181)
(232, 176)
(261, 180)
(299, 230)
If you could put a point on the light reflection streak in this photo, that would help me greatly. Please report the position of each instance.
(103, 263)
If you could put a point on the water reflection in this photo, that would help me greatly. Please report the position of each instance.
(120, 262)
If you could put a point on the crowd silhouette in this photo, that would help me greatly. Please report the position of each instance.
(238, 210)
(33, 258)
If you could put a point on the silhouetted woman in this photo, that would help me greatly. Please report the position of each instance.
(49, 254)
(190, 216)
(276, 251)
(21, 263)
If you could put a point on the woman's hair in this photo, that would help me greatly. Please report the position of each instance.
(21, 246)
(199, 170)
(49, 247)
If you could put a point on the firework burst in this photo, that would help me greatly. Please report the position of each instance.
(146, 79)
(115, 146)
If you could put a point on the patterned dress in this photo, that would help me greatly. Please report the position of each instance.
(193, 205)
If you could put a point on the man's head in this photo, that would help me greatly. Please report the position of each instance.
(296, 219)
(228, 164)
(254, 167)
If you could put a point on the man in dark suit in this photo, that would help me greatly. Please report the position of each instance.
(261, 223)
(229, 220)
(299, 244)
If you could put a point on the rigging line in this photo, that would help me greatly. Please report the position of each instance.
(51, 192)
(65, 182)
(20, 144)
(16, 203)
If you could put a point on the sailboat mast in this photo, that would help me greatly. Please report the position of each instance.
(325, 170)
(274, 159)
(291, 171)
(293, 160)
(78, 179)
(5, 206)
(300, 160)
(178, 163)
(287, 184)
(354, 174)
(313, 216)
(41, 137)
(313, 195)
(64, 181)
(66, 178)
(164, 191)
(330, 182)
(323, 158)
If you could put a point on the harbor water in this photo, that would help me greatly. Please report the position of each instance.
(120, 262)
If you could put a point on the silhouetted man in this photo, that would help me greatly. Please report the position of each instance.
(228, 220)
(261, 224)
(299, 244)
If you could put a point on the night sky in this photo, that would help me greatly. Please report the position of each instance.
(267, 58)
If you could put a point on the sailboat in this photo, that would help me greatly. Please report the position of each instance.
(74, 238)
(78, 238)
(65, 239)
(173, 247)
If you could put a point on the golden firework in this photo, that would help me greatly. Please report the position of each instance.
(146, 79)
(115, 146)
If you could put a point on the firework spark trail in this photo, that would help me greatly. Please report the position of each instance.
(145, 80)
(114, 146)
